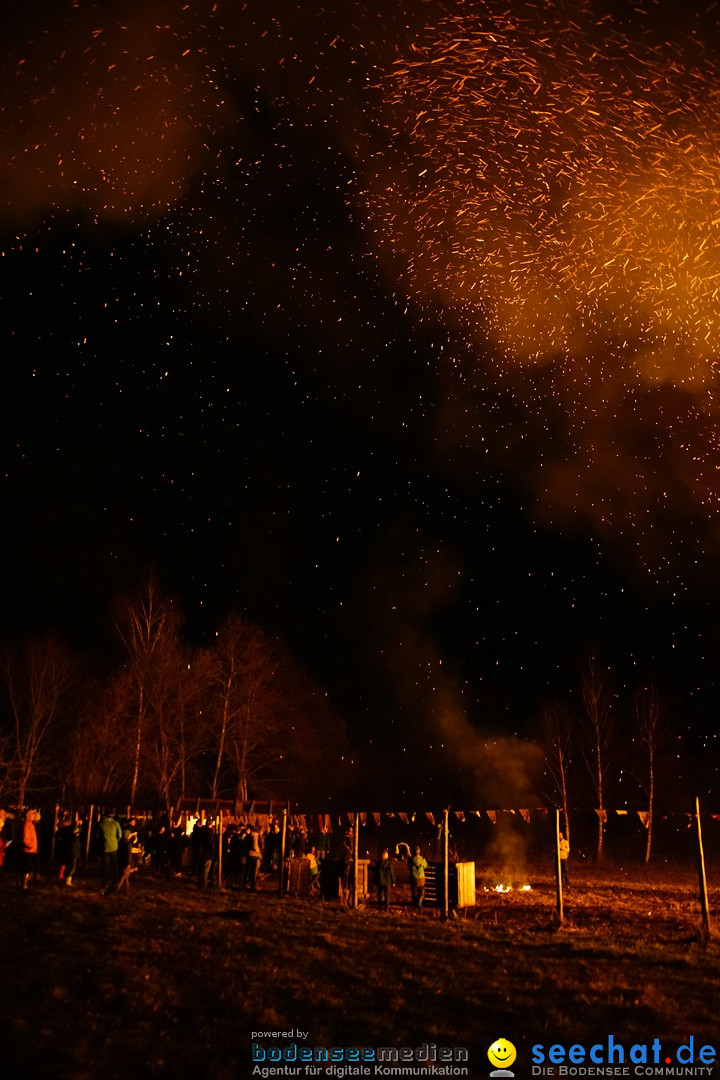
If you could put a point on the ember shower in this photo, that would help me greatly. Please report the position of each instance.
(538, 181)
(550, 186)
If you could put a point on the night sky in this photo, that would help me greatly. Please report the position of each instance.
(392, 327)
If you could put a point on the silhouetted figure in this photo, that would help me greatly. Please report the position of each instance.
(111, 835)
(67, 849)
(5, 840)
(29, 850)
(254, 855)
(203, 843)
(129, 856)
(384, 879)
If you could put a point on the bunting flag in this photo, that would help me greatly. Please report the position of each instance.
(255, 813)
(409, 818)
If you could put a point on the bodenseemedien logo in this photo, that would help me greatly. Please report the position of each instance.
(501, 1054)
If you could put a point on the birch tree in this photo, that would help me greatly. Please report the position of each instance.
(100, 767)
(557, 743)
(597, 698)
(248, 702)
(176, 733)
(144, 624)
(273, 729)
(40, 685)
(653, 735)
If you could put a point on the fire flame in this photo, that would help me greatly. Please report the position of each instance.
(508, 888)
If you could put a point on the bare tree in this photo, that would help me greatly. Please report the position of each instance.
(272, 728)
(176, 732)
(596, 697)
(248, 703)
(226, 692)
(100, 767)
(653, 733)
(557, 743)
(40, 681)
(5, 766)
(143, 623)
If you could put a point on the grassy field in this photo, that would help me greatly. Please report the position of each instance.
(168, 981)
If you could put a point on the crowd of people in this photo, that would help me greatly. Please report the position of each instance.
(117, 847)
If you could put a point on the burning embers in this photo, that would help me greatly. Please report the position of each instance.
(504, 888)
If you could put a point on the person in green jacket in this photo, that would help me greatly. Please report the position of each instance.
(418, 866)
(110, 834)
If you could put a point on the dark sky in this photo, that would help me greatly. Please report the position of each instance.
(394, 331)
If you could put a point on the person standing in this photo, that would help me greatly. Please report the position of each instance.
(418, 866)
(203, 842)
(563, 852)
(29, 852)
(323, 843)
(314, 867)
(254, 855)
(384, 879)
(130, 852)
(5, 837)
(67, 849)
(243, 846)
(111, 834)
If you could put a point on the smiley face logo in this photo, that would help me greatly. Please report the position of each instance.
(502, 1054)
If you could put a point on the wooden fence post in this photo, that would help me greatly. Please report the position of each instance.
(704, 906)
(220, 851)
(281, 860)
(56, 815)
(89, 832)
(446, 865)
(558, 872)
(356, 861)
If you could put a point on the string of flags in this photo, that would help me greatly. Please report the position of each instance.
(325, 821)
(263, 815)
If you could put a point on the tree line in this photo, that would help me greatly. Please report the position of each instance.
(593, 749)
(240, 719)
(236, 719)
